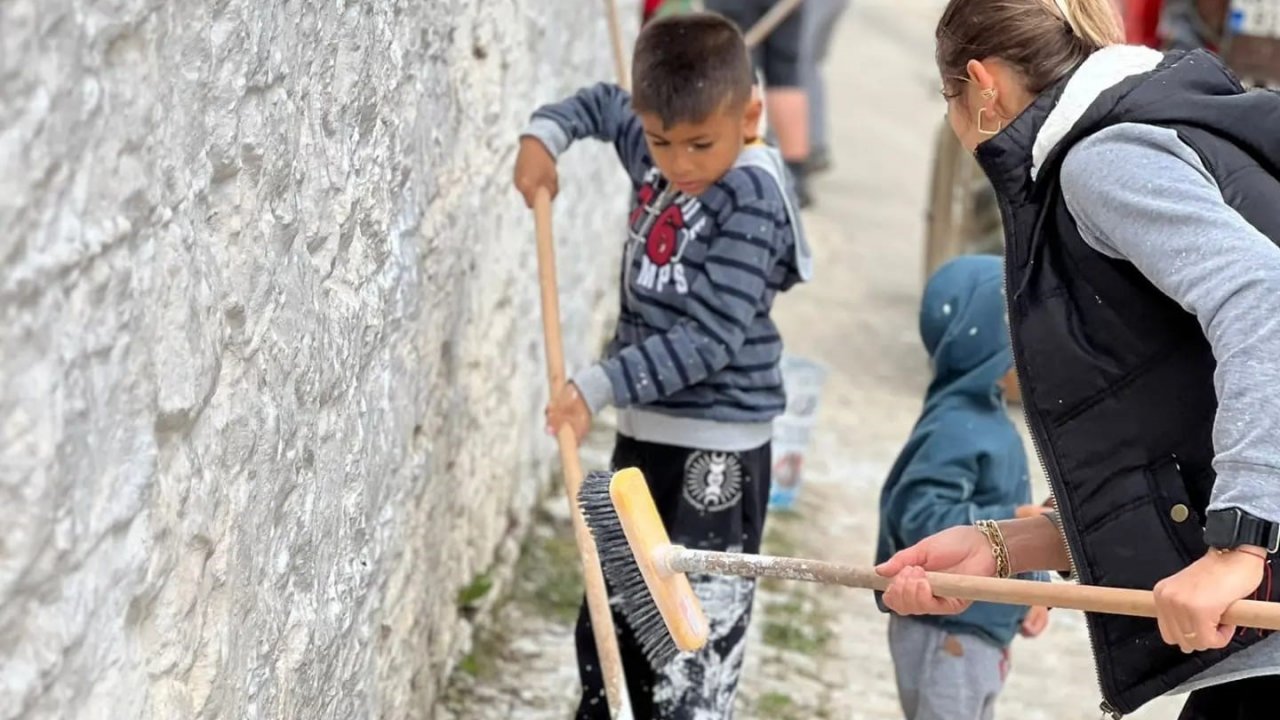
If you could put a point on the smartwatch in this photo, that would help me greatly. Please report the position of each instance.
(1230, 528)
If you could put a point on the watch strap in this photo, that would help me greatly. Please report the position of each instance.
(1230, 528)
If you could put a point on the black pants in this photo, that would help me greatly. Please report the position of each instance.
(1252, 699)
(778, 55)
(710, 501)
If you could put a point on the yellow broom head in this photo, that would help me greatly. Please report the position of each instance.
(659, 605)
(649, 543)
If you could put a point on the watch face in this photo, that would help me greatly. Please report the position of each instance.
(1221, 528)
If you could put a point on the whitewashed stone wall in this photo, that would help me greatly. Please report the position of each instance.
(271, 373)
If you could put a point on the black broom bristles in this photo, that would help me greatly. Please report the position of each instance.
(622, 573)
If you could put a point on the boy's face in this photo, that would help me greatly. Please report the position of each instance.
(695, 155)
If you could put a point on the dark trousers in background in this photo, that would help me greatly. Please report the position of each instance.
(778, 55)
(710, 501)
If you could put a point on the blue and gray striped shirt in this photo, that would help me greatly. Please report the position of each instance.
(695, 359)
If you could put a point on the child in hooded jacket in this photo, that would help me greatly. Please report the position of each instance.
(963, 463)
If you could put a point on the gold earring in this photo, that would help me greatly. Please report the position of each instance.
(989, 94)
(984, 131)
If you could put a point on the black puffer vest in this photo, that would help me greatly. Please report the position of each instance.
(1117, 379)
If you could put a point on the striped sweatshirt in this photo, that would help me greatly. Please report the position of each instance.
(695, 358)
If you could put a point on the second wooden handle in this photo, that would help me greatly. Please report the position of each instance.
(1114, 601)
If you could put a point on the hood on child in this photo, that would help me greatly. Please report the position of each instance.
(964, 328)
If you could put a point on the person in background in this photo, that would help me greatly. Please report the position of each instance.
(1182, 27)
(964, 463)
(820, 19)
(778, 58)
(1141, 200)
(654, 9)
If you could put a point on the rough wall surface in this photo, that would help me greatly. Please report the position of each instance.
(270, 362)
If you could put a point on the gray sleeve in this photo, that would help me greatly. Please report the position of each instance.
(602, 112)
(595, 387)
(1140, 194)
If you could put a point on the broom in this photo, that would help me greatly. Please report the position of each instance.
(648, 573)
(606, 639)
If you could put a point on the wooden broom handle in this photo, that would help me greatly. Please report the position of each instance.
(615, 39)
(593, 580)
(770, 22)
(549, 286)
(1113, 601)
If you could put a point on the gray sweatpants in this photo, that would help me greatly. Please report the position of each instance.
(943, 676)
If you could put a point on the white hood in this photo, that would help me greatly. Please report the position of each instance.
(1102, 71)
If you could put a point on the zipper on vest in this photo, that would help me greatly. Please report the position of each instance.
(1006, 217)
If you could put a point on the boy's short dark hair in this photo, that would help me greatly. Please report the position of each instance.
(687, 67)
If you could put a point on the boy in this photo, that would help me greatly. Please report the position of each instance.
(964, 463)
(693, 367)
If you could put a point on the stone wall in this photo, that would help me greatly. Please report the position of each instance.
(271, 373)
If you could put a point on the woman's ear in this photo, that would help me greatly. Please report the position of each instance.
(980, 76)
(1000, 86)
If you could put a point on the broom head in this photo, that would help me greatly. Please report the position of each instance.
(658, 604)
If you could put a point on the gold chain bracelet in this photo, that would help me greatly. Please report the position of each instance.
(991, 530)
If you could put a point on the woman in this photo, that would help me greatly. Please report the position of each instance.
(1142, 210)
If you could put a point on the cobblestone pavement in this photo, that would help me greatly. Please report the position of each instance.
(822, 652)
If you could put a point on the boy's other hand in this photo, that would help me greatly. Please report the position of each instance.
(568, 408)
(535, 168)
(1035, 622)
(1030, 511)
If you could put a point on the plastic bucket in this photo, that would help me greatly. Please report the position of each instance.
(792, 430)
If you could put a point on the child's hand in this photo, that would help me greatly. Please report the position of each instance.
(1030, 511)
(1035, 622)
(535, 168)
(568, 408)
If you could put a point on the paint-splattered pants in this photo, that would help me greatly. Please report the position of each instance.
(708, 500)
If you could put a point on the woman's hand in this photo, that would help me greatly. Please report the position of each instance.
(1189, 605)
(963, 550)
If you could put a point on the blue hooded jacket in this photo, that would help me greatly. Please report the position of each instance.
(964, 460)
